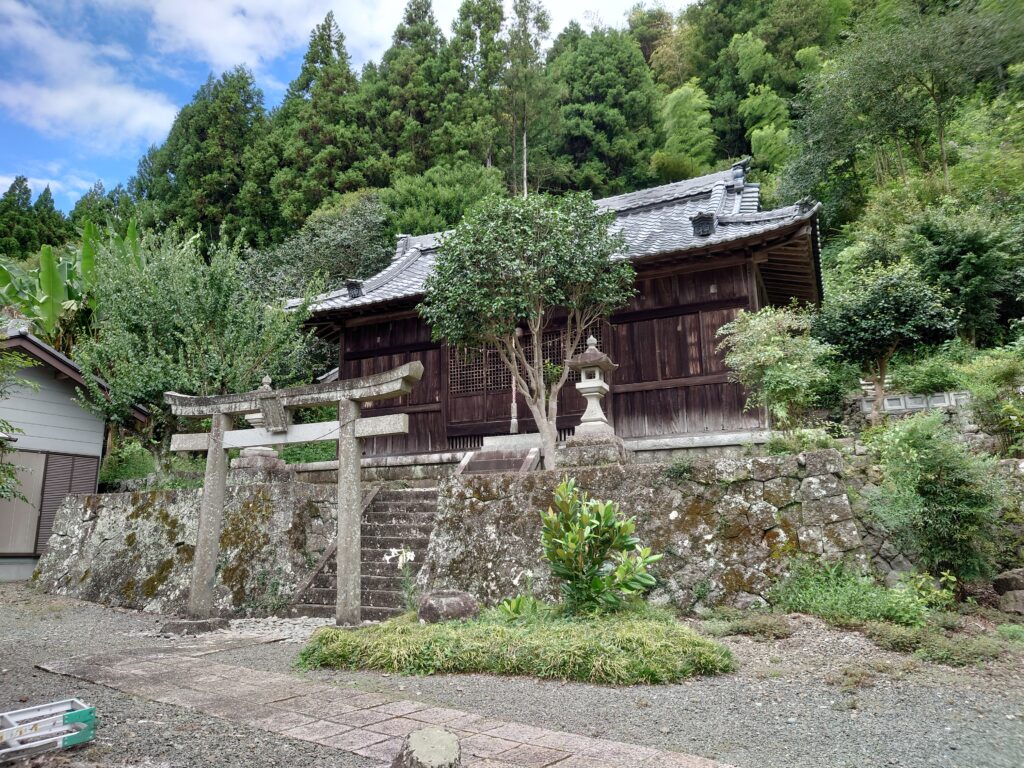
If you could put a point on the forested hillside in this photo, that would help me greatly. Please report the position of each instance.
(903, 118)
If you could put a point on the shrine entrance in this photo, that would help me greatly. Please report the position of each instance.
(274, 408)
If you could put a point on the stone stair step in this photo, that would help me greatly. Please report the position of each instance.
(310, 609)
(414, 530)
(406, 495)
(383, 598)
(384, 543)
(379, 568)
(399, 518)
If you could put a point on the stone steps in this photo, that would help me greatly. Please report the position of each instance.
(397, 517)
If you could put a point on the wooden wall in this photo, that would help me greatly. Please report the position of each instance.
(671, 381)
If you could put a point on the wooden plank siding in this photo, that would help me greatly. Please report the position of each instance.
(670, 381)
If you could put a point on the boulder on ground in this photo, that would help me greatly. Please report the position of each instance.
(446, 605)
(1009, 581)
(429, 748)
(1012, 602)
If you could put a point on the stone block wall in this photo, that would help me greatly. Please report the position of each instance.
(725, 526)
(135, 549)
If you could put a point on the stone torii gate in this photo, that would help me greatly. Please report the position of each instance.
(276, 429)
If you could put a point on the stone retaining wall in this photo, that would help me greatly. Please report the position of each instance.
(726, 526)
(135, 549)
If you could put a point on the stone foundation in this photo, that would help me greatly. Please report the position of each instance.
(725, 526)
(135, 549)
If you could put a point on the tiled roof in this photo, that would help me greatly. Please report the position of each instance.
(654, 221)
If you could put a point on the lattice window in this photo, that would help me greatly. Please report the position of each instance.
(477, 371)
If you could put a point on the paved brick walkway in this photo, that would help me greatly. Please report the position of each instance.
(367, 724)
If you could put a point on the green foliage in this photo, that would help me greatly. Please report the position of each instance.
(680, 469)
(128, 461)
(592, 549)
(437, 199)
(10, 364)
(689, 145)
(168, 320)
(797, 441)
(937, 498)
(57, 296)
(759, 625)
(958, 651)
(889, 310)
(624, 648)
(773, 355)
(26, 226)
(113, 210)
(348, 239)
(997, 404)
(937, 372)
(842, 596)
(1012, 632)
(520, 262)
(938, 592)
(194, 178)
(304, 453)
(521, 606)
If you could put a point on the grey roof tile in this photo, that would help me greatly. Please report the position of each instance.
(653, 221)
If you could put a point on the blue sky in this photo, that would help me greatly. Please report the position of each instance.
(86, 87)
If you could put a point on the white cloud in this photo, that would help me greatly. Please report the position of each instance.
(72, 88)
(71, 185)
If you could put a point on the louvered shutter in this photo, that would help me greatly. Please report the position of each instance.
(64, 474)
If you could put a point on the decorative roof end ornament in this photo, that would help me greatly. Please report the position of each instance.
(703, 224)
(355, 288)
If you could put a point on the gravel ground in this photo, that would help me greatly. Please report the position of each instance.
(132, 731)
(820, 697)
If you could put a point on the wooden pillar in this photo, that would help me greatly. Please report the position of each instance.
(211, 512)
(349, 516)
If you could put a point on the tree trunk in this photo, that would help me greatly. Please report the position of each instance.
(524, 154)
(876, 405)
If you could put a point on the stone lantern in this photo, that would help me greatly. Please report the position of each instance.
(593, 366)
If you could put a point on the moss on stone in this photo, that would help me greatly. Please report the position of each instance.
(128, 590)
(245, 536)
(152, 585)
(131, 539)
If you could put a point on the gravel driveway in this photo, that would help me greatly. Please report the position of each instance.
(821, 697)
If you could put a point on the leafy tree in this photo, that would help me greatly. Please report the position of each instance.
(10, 364)
(436, 200)
(781, 366)
(527, 92)
(649, 27)
(963, 256)
(690, 141)
(532, 265)
(609, 126)
(403, 96)
(18, 235)
(891, 309)
(474, 63)
(51, 225)
(320, 142)
(169, 320)
(113, 209)
(350, 239)
(937, 497)
(194, 177)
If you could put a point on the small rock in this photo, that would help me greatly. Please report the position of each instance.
(1009, 581)
(1012, 602)
(429, 748)
(446, 605)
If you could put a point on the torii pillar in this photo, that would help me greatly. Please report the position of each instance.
(276, 429)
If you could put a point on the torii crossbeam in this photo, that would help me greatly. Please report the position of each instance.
(276, 429)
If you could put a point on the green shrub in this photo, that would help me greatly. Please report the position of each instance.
(304, 453)
(622, 648)
(994, 380)
(772, 354)
(797, 441)
(840, 595)
(591, 548)
(938, 372)
(894, 637)
(761, 625)
(680, 469)
(938, 499)
(1012, 632)
(521, 606)
(128, 461)
(958, 651)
